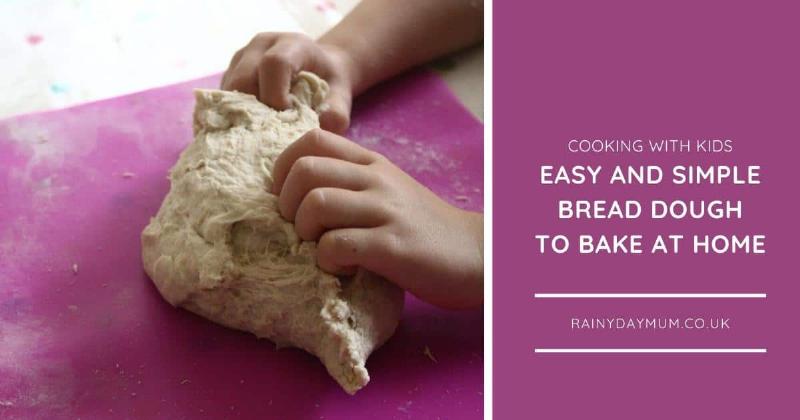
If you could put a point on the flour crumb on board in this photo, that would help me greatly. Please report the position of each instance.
(427, 352)
(74, 268)
(6, 403)
(128, 175)
(185, 381)
(462, 198)
(404, 408)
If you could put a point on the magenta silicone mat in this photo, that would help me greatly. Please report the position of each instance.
(84, 333)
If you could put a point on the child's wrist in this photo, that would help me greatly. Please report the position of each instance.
(473, 225)
(343, 59)
(357, 55)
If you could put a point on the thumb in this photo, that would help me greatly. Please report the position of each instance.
(341, 251)
(336, 114)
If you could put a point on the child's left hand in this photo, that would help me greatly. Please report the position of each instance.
(366, 212)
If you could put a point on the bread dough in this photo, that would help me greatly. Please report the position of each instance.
(219, 248)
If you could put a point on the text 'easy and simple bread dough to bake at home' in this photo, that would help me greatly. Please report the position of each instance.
(219, 248)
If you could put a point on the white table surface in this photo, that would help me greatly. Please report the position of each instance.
(55, 54)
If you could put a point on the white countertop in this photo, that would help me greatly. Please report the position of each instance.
(60, 53)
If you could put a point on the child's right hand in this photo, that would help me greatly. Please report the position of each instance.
(265, 68)
(363, 211)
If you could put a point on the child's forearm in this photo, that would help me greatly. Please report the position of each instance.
(381, 38)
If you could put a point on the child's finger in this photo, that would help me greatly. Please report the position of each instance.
(275, 71)
(339, 250)
(232, 65)
(324, 209)
(337, 117)
(310, 172)
(244, 77)
(242, 71)
(318, 143)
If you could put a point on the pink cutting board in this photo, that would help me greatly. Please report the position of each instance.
(85, 334)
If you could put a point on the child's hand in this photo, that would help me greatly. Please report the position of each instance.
(366, 212)
(265, 68)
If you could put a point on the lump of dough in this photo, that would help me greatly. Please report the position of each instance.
(219, 248)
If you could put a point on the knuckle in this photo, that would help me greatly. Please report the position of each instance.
(271, 60)
(316, 201)
(299, 37)
(262, 37)
(391, 208)
(378, 178)
(376, 157)
(314, 138)
(391, 211)
(305, 166)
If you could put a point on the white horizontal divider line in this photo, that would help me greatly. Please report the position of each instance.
(664, 350)
(650, 295)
